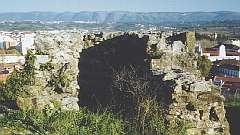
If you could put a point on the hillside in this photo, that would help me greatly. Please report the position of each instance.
(124, 17)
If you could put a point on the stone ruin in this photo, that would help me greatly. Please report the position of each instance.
(63, 51)
(188, 98)
(195, 101)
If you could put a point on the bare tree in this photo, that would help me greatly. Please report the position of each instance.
(128, 82)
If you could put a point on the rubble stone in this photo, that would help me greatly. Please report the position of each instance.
(196, 102)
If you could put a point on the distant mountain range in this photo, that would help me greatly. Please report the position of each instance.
(124, 17)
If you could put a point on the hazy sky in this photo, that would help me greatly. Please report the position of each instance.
(124, 5)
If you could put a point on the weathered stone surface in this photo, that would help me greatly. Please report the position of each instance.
(196, 102)
(170, 76)
(69, 103)
(200, 87)
(63, 50)
(189, 99)
(40, 102)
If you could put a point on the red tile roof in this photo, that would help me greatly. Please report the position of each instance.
(228, 79)
(216, 53)
(229, 82)
(229, 62)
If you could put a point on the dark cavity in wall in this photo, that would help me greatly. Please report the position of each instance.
(97, 64)
(233, 117)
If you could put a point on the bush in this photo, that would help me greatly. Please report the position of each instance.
(204, 65)
(14, 85)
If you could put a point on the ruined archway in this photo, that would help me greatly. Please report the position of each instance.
(97, 64)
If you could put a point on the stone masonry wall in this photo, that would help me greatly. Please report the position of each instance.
(64, 52)
(195, 101)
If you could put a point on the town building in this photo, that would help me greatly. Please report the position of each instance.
(13, 48)
(7, 42)
(227, 83)
(222, 52)
(227, 68)
(26, 43)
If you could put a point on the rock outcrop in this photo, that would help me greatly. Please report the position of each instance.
(195, 101)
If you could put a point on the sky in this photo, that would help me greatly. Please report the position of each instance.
(119, 5)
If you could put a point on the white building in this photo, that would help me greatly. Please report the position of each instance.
(221, 54)
(7, 42)
(26, 43)
(12, 59)
(1, 42)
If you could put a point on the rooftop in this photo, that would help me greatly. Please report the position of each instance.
(229, 82)
(216, 53)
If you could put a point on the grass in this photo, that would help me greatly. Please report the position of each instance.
(62, 122)
(232, 104)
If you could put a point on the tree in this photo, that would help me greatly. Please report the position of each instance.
(204, 65)
(29, 68)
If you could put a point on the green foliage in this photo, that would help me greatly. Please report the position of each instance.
(14, 85)
(153, 47)
(48, 121)
(84, 122)
(157, 54)
(204, 65)
(29, 65)
(59, 82)
(39, 52)
(147, 116)
(232, 102)
(46, 66)
(156, 122)
(176, 126)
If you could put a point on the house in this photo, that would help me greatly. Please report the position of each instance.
(12, 59)
(227, 83)
(227, 68)
(26, 43)
(222, 52)
(7, 42)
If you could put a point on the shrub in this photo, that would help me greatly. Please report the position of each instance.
(204, 65)
(14, 85)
